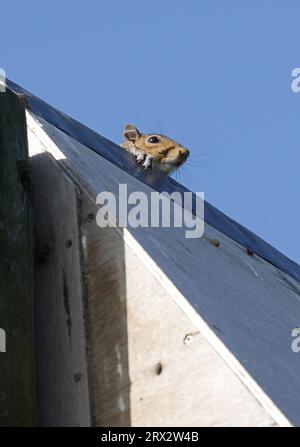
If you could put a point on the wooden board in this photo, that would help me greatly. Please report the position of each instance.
(62, 344)
(17, 365)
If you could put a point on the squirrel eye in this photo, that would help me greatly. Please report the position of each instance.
(153, 140)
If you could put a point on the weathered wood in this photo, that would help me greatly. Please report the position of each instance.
(104, 268)
(63, 395)
(17, 364)
(240, 305)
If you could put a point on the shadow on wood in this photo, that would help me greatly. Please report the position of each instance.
(17, 367)
(80, 300)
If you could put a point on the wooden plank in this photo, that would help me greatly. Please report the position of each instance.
(221, 289)
(105, 276)
(62, 343)
(17, 364)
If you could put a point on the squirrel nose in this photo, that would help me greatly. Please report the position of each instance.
(184, 153)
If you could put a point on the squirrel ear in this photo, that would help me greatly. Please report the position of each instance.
(131, 133)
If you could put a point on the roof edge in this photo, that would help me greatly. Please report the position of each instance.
(155, 179)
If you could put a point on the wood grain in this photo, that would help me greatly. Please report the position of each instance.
(17, 364)
(63, 394)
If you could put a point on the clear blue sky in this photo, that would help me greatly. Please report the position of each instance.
(215, 75)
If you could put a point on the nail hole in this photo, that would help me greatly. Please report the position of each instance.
(188, 339)
(250, 252)
(158, 369)
(77, 377)
(69, 243)
(215, 242)
(90, 217)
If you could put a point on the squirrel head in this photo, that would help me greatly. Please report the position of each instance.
(167, 154)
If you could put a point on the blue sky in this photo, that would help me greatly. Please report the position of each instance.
(215, 75)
